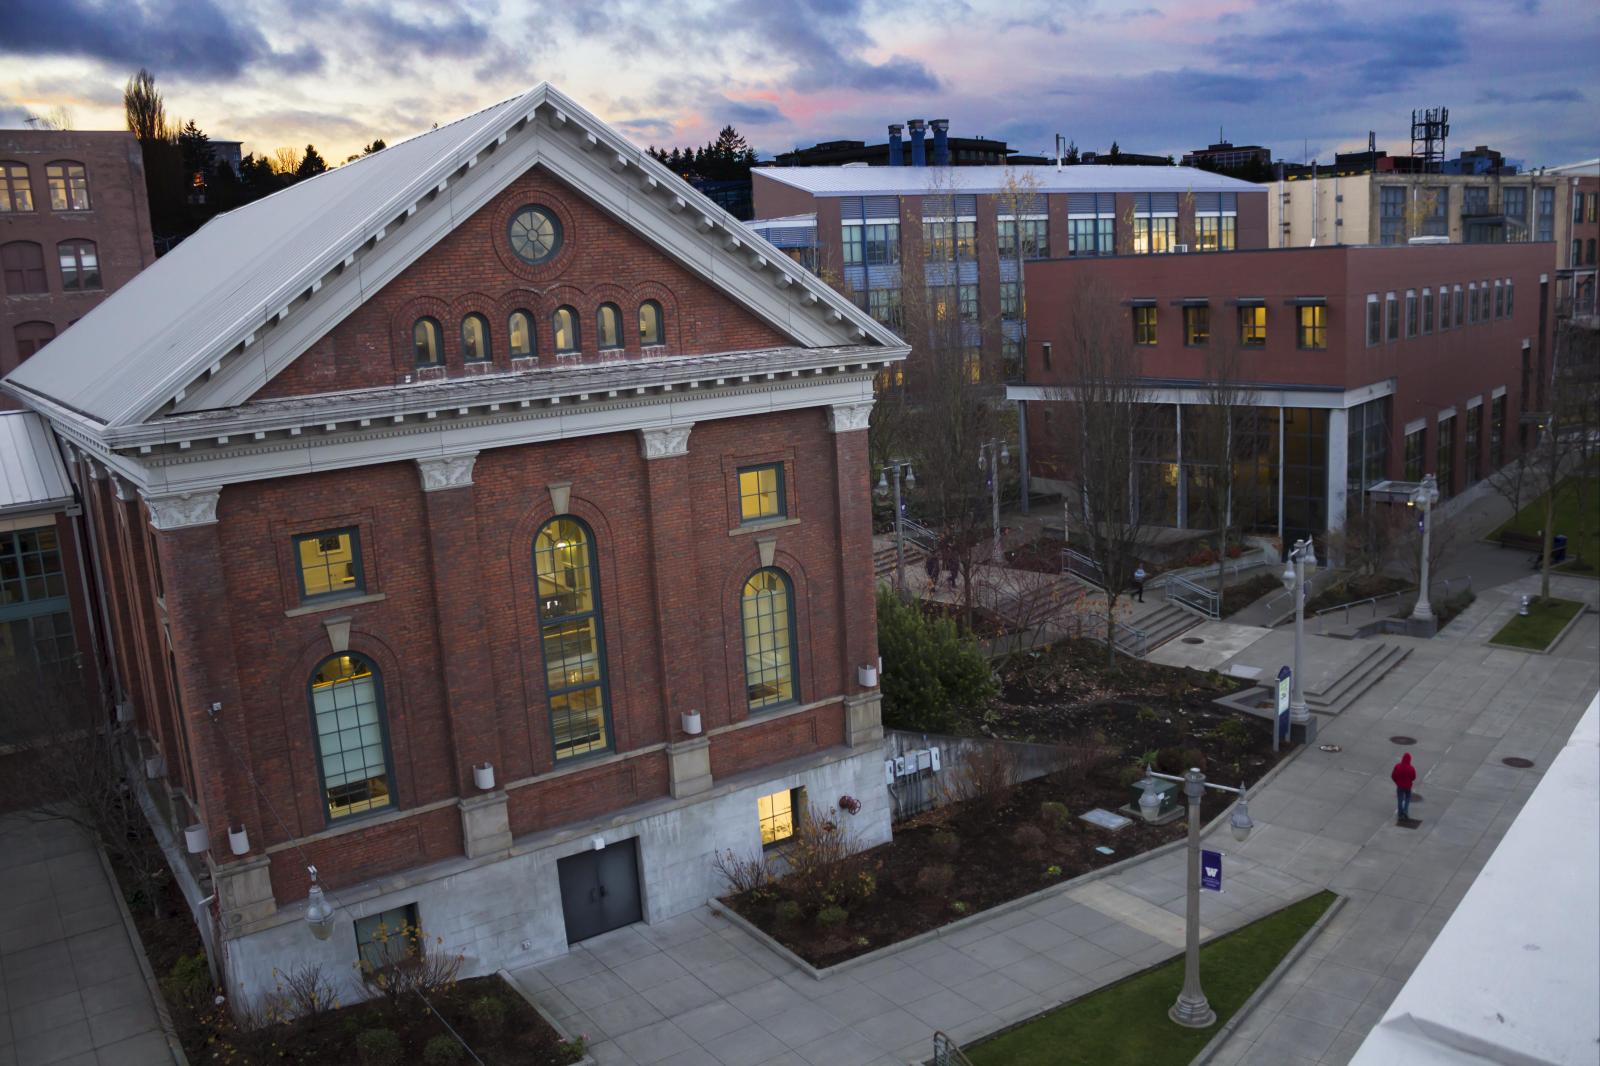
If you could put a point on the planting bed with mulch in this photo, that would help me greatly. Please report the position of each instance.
(1238, 596)
(1350, 590)
(1042, 555)
(1000, 843)
(985, 624)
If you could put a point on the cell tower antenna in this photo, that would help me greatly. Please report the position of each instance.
(1429, 131)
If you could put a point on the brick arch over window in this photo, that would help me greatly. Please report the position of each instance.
(671, 317)
(741, 567)
(476, 303)
(512, 199)
(402, 351)
(531, 301)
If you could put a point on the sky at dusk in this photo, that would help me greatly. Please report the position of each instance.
(1158, 76)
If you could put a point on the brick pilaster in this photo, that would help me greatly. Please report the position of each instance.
(858, 630)
(678, 593)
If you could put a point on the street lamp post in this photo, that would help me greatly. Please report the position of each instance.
(1191, 1008)
(1303, 554)
(896, 466)
(1425, 496)
(992, 454)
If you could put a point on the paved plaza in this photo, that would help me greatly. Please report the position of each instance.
(71, 992)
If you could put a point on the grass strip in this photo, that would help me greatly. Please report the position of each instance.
(1542, 624)
(1127, 1022)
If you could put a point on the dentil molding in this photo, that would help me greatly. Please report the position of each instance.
(666, 442)
(847, 417)
(447, 472)
(184, 509)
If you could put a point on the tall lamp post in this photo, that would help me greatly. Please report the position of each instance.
(1191, 1009)
(1301, 557)
(896, 466)
(1425, 496)
(992, 454)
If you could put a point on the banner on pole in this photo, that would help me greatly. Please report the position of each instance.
(1211, 871)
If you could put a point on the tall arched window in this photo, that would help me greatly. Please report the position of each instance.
(80, 265)
(649, 323)
(565, 326)
(608, 326)
(16, 191)
(69, 186)
(767, 607)
(520, 328)
(352, 739)
(572, 637)
(22, 264)
(425, 339)
(475, 339)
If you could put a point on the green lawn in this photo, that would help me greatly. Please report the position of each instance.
(1569, 518)
(1545, 619)
(1128, 1023)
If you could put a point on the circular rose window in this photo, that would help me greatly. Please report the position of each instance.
(535, 234)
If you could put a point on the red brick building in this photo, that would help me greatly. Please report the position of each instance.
(74, 228)
(484, 521)
(1360, 364)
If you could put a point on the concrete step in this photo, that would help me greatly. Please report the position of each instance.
(1362, 675)
(1165, 623)
(884, 559)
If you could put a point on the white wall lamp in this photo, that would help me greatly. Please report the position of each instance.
(483, 776)
(319, 912)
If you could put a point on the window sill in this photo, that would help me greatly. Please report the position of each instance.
(763, 526)
(333, 605)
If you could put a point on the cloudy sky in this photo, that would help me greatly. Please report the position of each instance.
(1156, 75)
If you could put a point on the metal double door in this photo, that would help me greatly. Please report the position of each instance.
(600, 890)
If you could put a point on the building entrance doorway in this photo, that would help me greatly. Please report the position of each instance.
(600, 890)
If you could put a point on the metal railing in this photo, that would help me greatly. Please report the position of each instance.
(1082, 566)
(1451, 586)
(1127, 639)
(1194, 596)
(946, 1052)
(919, 534)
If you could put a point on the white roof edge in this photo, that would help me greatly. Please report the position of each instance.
(33, 477)
(990, 180)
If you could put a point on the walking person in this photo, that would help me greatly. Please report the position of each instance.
(930, 566)
(1404, 775)
(1138, 583)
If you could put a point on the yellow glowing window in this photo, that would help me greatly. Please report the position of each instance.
(571, 635)
(1196, 326)
(1144, 325)
(347, 711)
(766, 609)
(1253, 326)
(1313, 326)
(972, 366)
(778, 814)
(330, 564)
(761, 493)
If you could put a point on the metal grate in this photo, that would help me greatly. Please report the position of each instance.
(1403, 741)
(1518, 761)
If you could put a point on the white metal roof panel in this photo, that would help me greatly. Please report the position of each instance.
(32, 476)
(922, 181)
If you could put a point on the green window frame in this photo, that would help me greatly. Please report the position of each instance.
(650, 324)
(762, 497)
(426, 342)
(387, 937)
(355, 769)
(572, 638)
(328, 563)
(766, 609)
(1144, 324)
(564, 327)
(475, 345)
(35, 613)
(523, 338)
(608, 327)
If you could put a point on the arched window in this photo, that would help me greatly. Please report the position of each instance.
(425, 339)
(768, 610)
(649, 323)
(608, 325)
(571, 637)
(475, 339)
(69, 186)
(31, 336)
(352, 739)
(80, 265)
(22, 263)
(16, 191)
(565, 326)
(520, 327)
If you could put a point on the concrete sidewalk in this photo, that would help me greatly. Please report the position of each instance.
(72, 992)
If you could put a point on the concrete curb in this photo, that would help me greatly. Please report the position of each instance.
(723, 910)
(561, 1030)
(1215, 1043)
(1583, 609)
(163, 1015)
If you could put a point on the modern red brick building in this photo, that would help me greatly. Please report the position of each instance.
(1361, 363)
(486, 524)
(74, 228)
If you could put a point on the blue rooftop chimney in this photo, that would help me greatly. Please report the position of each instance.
(941, 141)
(919, 154)
(896, 145)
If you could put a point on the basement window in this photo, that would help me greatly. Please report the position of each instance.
(388, 937)
(780, 815)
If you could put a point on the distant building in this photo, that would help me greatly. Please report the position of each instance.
(74, 227)
(1576, 291)
(227, 154)
(1224, 155)
(941, 150)
(1479, 160)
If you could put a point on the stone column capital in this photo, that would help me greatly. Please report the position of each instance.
(180, 510)
(665, 442)
(848, 417)
(446, 471)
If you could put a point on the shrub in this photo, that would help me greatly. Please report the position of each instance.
(865, 886)
(421, 965)
(823, 860)
(1233, 734)
(378, 1047)
(1052, 871)
(831, 916)
(946, 841)
(930, 671)
(1146, 715)
(188, 983)
(1194, 757)
(1170, 761)
(442, 1050)
(933, 880)
(308, 992)
(489, 1015)
(983, 780)
(1028, 839)
(787, 911)
(959, 907)
(573, 1050)
(1131, 775)
(742, 875)
(1055, 814)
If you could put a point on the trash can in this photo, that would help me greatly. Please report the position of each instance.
(1558, 549)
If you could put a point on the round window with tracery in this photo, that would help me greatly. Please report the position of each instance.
(535, 234)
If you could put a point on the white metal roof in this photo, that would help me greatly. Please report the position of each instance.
(1513, 976)
(32, 476)
(1580, 169)
(919, 181)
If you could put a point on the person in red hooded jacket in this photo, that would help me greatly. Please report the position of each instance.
(1404, 775)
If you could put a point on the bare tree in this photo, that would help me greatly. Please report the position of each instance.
(286, 160)
(1106, 412)
(1216, 439)
(146, 110)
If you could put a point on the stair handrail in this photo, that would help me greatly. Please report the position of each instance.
(1190, 594)
(946, 1052)
(1086, 567)
(919, 534)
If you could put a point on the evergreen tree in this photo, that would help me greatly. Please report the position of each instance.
(311, 164)
(195, 149)
(377, 145)
(1071, 157)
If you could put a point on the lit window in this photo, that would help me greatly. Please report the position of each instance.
(1196, 325)
(520, 328)
(23, 265)
(571, 635)
(69, 186)
(779, 814)
(31, 336)
(768, 652)
(1313, 326)
(1144, 324)
(1253, 326)
(387, 938)
(972, 365)
(425, 339)
(1216, 233)
(565, 326)
(608, 326)
(475, 339)
(330, 564)
(761, 493)
(649, 323)
(1154, 236)
(80, 265)
(352, 744)
(16, 191)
